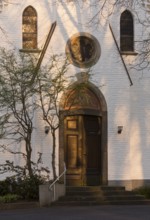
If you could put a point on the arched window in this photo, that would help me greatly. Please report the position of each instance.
(126, 32)
(29, 28)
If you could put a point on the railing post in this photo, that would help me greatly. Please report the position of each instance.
(54, 192)
(53, 184)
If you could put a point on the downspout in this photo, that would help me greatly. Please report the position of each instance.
(131, 83)
(49, 36)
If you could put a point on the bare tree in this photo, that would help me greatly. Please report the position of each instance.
(21, 97)
(52, 83)
(17, 107)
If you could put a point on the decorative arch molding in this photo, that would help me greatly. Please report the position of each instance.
(100, 110)
(81, 84)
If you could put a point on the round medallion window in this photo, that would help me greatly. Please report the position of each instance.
(83, 50)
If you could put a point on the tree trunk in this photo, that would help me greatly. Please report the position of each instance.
(53, 154)
(29, 152)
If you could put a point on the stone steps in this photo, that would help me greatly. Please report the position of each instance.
(100, 195)
(96, 203)
(98, 198)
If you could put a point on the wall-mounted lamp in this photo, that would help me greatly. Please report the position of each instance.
(120, 128)
(47, 128)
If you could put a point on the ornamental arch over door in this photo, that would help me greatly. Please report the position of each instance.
(83, 135)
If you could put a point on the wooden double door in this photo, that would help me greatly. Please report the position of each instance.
(83, 150)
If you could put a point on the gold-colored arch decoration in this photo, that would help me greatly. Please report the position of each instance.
(81, 98)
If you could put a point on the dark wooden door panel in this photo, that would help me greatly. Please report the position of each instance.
(72, 151)
(73, 148)
(92, 129)
(82, 150)
(92, 152)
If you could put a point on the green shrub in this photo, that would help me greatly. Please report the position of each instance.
(9, 198)
(27, 189)
(145, 190)
(7, 186)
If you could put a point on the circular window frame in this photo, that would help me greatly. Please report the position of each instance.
(95, 56)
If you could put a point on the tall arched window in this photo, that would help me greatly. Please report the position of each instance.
(29, 28)
(126, 32)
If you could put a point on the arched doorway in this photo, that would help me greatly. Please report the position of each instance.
(83, 135)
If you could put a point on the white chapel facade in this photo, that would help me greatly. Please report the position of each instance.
(105, 140)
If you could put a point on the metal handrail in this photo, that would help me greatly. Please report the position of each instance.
(53, 184)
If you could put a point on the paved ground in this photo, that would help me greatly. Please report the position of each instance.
(79, 213)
